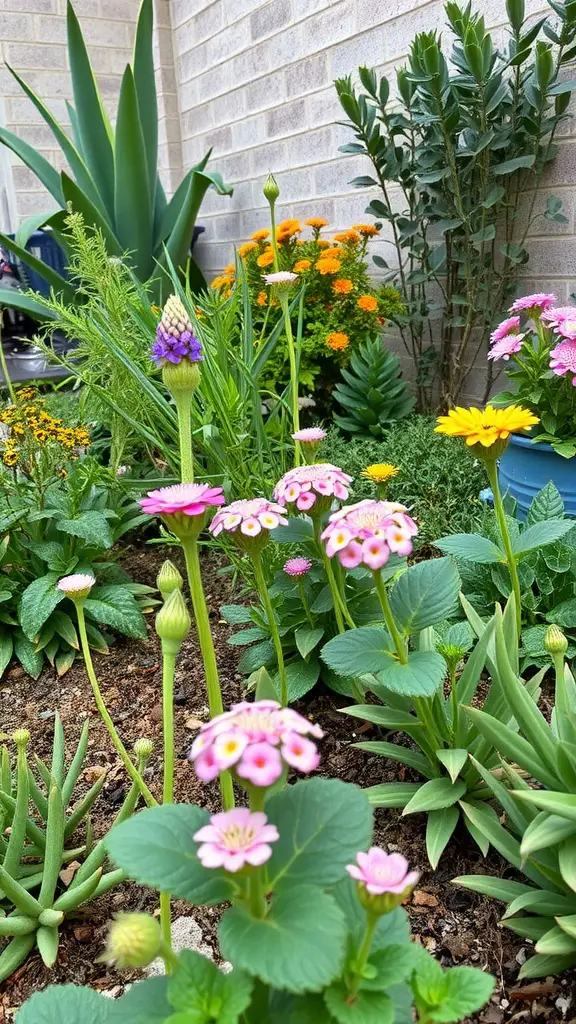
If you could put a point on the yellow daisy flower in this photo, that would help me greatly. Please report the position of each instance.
(485, 426)
(380, 472)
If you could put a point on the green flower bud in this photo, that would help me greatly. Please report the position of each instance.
(134, 940)
(143, 748)
(173, 620)
(271, 190)
(21, 737)
(554, 640)
(168, 579)
(384, 902)
(181, 378)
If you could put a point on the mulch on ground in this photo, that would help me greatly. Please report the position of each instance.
(458, 926)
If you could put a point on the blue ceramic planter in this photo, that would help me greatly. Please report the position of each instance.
(526, 468)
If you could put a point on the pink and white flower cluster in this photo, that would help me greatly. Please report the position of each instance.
(382, 872)
(249, 516)
(236, 838)
(367, 532)
(305, 484)
(257, 740)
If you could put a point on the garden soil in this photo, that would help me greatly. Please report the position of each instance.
(457, 926)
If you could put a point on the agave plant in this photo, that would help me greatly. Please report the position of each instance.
(372, 392)
(113, 180)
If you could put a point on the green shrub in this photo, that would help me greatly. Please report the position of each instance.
(439, 479)
(372, 393)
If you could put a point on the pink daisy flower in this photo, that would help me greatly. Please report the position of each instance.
(533, 305)
(305, 484)
(297, 566)
(189, 499)
(77, 583)
(367, 532)
(563, 359)
(562, 320)
(310, 435)
(249, 517)
(509, 326)
(281, 278)
(256, 740)
(382, 872)
(506, 347)
(235, 838)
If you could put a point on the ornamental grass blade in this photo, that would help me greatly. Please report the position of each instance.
(61, 285)
(145, 84)
(547, 901)
(563, 804)
(542, 965)
(439, 828)
(512, 746)
(556, 942)
(515, 812)
(93, 124)
(395, 752)
(568, 924)
(453, 760)
(133, 209)
(567, 862)
(546, 830)
(392, 794)
(503, 889)
(434, 795)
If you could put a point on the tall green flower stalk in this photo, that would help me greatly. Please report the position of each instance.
(281, 281)
(179, 353)
(77, 587)
(172, 626)
(511, 560)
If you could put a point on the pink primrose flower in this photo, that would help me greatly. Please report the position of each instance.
(366, 533)
(260, 764)
(533, 305)
(189, 499)
(563, 359)
(506, 347)
(235, 838)
(251, 516)
(299, 752)
(383, 872)
(305, 483)
(297, 566)
(509, 326)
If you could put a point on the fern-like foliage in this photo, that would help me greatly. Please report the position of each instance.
(372, 392)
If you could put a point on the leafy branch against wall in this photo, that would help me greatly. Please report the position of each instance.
(457, 159)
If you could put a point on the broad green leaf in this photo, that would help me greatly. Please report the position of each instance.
(556, 942)
(247, 636)
(39, 600)
(358, 651)
(544, 831)
(564, 614)
(254, 658)
(145, 85)
(71, 1003)
(388, 718)
(512, 746)
(396, 752)
(91, 526)
(31, 660)
(298, 946)
(156, 848)
(6, 649)
(541, 965)
(369, 1007)
(392, 794)
(115, 606)
(509, 166)
(41, 167)
(236, 614)
(439, 828)
(146, 1002)
(322, 824)
(540, 534)
(55, 280)
(547, 504)
(467, 990)
(434, 795)
(567, 862)
(93, 124)
(421, 676)
(393, 964)
(297, 531)
(301, 677)
(307, 639)
(563, 804)
(425, 594)
(568, 924)
(133, 211)
(199, 989)
(471, 546)
(453, 760)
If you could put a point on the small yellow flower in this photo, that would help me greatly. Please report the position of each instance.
(289, 227)
(367, 303)
(337, 340)
(342, 286)
(485, 426)
(350, 237)
(266, 259)
(230, 270)
(380, 472)
(41, 436)
(301, 265)
(25, 394)
(10, 458)
(155, 309)
(246, 248)
(328, 265)
(368, 230)
(262, 299)
(260, 235)
(316, 223)
(322, 243)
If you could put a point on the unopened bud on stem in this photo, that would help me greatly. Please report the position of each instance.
(271, 190)
(134, 940)
(554, 640)
(168, 579)
(173, 620)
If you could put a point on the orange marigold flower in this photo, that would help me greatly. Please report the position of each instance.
(302, 265)
(230, 270)
(328, 265)
(260, 235)
(343, 286)
(337, 340)
(246, 248)
(350, 237)
(262, 299)
(336, 251)
(323, 243)
(218, 282)
(368, 230)
(368, 303)
(316, 222)
(266, 258)
(291, 226)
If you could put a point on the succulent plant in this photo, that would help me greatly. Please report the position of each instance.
(34, 846)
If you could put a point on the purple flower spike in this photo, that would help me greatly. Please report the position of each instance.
(175, 340)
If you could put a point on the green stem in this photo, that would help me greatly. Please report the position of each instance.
(273, 625)
(118, 745)
(454, 700)
(7, 379)
(492, 471)
(256, 898)
(362, 955)
(389, 617)
(293, 374)
(340, 610)
(304, 600)
(183, 400)
(169, 652)
(190, 547)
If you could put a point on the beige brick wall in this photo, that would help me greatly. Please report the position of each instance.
(33, 42)
(255, 82)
